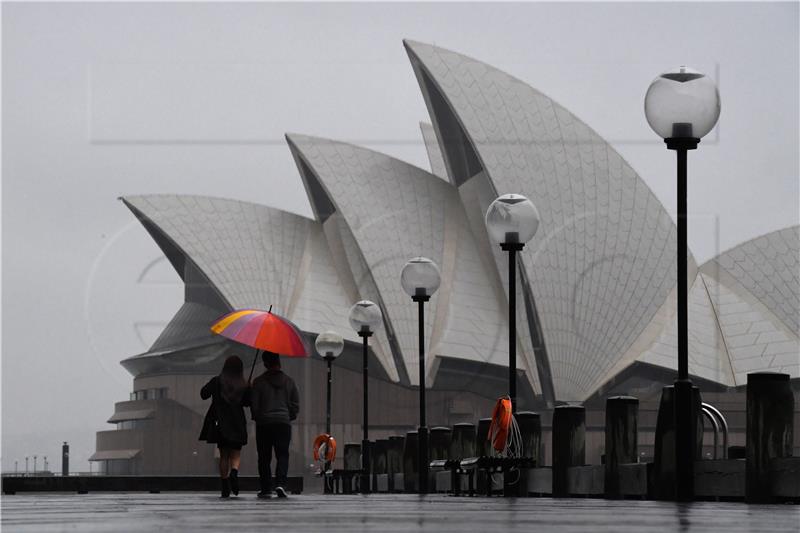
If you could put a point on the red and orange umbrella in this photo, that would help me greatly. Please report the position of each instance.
(263, 330)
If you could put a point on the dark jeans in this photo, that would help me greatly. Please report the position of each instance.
(270, 436)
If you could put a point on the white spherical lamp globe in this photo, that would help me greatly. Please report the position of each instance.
(365, 316)
(329, 344)
(512, 218)
(682, 103)
(420, 277)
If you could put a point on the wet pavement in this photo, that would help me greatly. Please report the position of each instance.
(131, 512)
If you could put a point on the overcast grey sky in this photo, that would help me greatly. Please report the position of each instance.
(103, 100)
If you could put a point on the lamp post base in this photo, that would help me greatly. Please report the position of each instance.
(685, 440)
(424, 462)
(365, 481)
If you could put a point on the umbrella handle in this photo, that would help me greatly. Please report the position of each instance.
(252, 368)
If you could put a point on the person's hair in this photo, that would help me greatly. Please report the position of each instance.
(231, 380)
(271, 360)
(233, 366)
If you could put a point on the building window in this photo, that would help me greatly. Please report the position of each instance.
(133, 424)
(150, 394)
(118, 467)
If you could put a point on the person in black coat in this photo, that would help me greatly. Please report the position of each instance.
(225, 423)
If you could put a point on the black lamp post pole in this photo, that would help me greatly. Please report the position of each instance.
(366, 476)
(685, 423)
(512, 248)
(421, 298)
(329, 361)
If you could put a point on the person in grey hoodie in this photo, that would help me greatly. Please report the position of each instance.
(275, 403)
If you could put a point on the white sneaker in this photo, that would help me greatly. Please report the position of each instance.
(281, 492)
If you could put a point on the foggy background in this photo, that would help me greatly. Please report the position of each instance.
(103, 100)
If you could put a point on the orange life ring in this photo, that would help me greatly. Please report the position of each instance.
(501, 424)
(330, 447)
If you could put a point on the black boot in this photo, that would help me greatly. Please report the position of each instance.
(234, 479)
(226, 489)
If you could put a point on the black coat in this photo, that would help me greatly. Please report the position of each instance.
(274, 398)
(231, 422)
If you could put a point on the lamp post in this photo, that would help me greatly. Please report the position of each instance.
(420, 278)
(65, 459)
(512, 220)
(329, 345)
(682, 106)
(365, 318)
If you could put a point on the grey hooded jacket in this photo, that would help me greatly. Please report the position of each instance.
(274, 399)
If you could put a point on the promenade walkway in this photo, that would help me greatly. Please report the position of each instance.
(200, 512)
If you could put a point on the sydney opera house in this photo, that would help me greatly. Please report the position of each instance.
(596, 295)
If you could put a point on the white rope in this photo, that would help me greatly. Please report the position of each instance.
(514, 442)
(513, 447)
(323, 452)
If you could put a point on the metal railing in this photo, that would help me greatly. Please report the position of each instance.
(47, 473)
(717, 421)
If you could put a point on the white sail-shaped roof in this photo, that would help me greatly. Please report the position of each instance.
(433, 149)
(395, 211)
(596, 291)
(742, 305)
(603, 261)
(756, 293)
(708, 354)
(767, 267)
(249, 256)
(250, 253)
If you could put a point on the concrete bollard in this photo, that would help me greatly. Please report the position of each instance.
(352, 456)
(482, 444)
(622, 414)
(663, 483)
(394, 461)
(530, 427)
(463, 443)
(352, 462)
(379, 456)
(770, 428)
(440, 437)
(394, 454)
(379, 465)
(370, 455)
(483, 448)
(410, 458)
(569, 444)
(440, 443)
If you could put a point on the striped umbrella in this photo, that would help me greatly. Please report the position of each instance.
(262, 330)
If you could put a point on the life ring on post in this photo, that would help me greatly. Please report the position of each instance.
(501, 424)
(329, 443)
